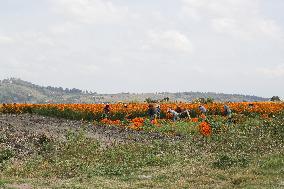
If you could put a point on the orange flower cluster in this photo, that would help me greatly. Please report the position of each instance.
(110, 122)
(195, 120)
(137, 123)
(205, 128)
(203, 116)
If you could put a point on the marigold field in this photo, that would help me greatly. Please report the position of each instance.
(135, 114)
(79, 146)
(264, 108)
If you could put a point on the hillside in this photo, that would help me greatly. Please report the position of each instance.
(19, 91)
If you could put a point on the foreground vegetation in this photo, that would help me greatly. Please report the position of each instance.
(244, 152)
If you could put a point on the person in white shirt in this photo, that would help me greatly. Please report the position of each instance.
(174, 113)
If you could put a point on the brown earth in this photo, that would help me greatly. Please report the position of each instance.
(23, 132)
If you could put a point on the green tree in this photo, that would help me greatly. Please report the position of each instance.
(275, 99)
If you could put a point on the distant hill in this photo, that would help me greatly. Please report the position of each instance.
(18, 91)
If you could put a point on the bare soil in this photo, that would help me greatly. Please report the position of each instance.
(22, 132)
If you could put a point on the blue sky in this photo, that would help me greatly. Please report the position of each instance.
(109, 46)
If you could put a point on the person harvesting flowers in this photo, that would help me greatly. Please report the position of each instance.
(227, 111)
(152, 112)
(174, 114)
(106, 111)
(203, 111)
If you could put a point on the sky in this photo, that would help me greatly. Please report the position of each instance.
(112, 46)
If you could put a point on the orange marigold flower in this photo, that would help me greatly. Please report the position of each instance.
(203, 116)
(137, 123)
(110, 122)
(205, 128)
(195, 120)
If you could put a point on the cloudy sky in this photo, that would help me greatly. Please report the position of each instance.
(109, 46)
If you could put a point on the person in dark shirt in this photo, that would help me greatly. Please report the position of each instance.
(152, 112)
(106, 110)
(178, 109)
(158, 111)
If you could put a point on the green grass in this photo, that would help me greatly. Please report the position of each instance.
(248, 154)
(3, 182)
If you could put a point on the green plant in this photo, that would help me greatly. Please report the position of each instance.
(5, 155)
(225, 161)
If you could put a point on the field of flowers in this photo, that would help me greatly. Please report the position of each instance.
(212, 151)
(135, 116)
(140, 109)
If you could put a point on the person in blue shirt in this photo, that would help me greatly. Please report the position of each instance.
(202, 109)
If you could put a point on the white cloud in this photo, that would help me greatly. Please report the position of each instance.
(277, 71)
(239, 18)
(91, 11)
(247, 29)
(34, 39)
(6, 40)
(126, 39)
(63, 28)
(173, 41)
